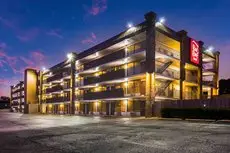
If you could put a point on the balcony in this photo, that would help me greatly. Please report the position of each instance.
(193, 79)
(108, 58)
(164, 50)
(115, 93)
(57, 76)
(112, 75)
(208, 83)
(54, 88)
(136, 69)
(57, 99)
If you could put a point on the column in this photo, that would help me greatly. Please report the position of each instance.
(200, 71)
(72, 83)
(183, 35)
(150, 62)
(216, 77)
(20, 104)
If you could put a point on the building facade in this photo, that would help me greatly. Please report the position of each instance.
(17, 97)
(127, 73)
(24, 95)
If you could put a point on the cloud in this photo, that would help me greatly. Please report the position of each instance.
(98, 6)
(35, 60)
(8, 23)
(5, 85)
(2, 45)
(28, 35)
(89, 40)
(55, 33)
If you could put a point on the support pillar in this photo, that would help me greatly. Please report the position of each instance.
(150, 63)
(183, 44)
(72, 83)
(200, 71)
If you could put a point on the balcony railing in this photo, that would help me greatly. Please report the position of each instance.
(108, 58)
(57, 99)
(115, 93)
(57, 76)
(136, 69)
(193, 79)
(105, 77)
(209, 83)
(167, 51)
(54, 88)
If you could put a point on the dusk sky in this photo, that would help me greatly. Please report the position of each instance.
(37, 33)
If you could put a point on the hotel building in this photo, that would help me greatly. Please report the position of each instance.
(17, 96)
(127, 73)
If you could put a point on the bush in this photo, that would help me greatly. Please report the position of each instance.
(195, 113)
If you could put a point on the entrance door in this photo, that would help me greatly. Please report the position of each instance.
(110, 108)
(113, 104)
(142, 108)
(86, 108)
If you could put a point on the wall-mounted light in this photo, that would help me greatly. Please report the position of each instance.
(162, 20)
(70, 56)
(129, 25)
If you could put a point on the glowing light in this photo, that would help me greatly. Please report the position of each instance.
(126, 84)
(130, 25)
(126, 66)
(44, 69)
(125, 102)
(70, 56)
(97, 68)
(96, 84)
(162, 20)
(126, 79)
(125, 60)
(97, 54)
(210, 49)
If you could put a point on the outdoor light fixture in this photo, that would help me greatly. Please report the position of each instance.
(96, 54)
(97, 68)
(210, 49)
(96, 84)
(162, 20)
(70, 56)
(126, 79)
(43, 69)
(130, 25)
(125, 60)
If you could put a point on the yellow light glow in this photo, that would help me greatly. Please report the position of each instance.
(126, 84)
(126, 66)
(61, 105)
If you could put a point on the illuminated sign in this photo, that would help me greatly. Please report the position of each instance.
(194, 51)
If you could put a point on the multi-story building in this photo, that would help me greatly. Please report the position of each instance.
(17, 96)
(127, 73)
(24, 95)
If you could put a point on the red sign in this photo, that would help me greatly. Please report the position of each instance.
(194, 51)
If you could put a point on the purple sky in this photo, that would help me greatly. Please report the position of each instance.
(40, 33)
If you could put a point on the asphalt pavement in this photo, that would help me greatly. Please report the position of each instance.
(21, 133)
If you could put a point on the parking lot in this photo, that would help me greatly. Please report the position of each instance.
(53, 133)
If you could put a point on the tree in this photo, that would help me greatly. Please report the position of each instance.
(224, 86)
